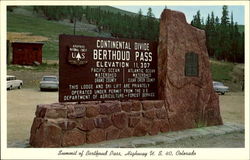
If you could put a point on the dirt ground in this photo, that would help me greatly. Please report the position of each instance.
(21, 106)
(21, 111)
(232, 107)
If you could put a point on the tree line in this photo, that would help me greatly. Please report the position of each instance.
(224, 41)
(123, 25)
(118, 24)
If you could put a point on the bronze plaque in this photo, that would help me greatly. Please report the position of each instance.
(97, 69)
(191, 64)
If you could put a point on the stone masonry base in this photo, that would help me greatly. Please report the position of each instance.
(72, 124)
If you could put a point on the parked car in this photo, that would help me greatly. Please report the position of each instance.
(49, 83)
(12, 82)
(220, 87)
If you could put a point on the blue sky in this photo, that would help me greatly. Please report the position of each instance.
(190, 11)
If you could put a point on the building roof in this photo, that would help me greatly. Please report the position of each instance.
(28, 43)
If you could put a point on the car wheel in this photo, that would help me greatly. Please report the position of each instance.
(222, 93)
(20, 86)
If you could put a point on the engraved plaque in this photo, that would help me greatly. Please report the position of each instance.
(191, 64)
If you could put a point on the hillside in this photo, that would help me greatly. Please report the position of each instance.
(23, 21)
(232, 74)
(39, 26)
(113, 10)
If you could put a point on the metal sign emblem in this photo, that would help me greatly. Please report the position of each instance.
(77, 55)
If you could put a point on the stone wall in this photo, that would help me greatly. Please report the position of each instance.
(71, 124)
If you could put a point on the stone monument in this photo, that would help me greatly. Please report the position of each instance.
(184, 77)
(186, 98)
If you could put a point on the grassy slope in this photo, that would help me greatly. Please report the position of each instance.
(225, 72)
(51, 29)
(42, 27)
(221, 70)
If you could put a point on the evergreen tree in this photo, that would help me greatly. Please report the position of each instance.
(139, 27)
(150, 24)
(224, 18)
(196, 22)
(217, 21)
(223, 39)
(213, 41)
(225, 34)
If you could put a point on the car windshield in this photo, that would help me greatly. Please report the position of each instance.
(49, 79)
(218, 84)
(11, 78)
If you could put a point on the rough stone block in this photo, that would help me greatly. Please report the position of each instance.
(159, 103)
(141, 129)
(86, 124)
(55, 112)
(136, 106)
(161, 113)
(120, 120)
(112, 133)
(165, 126)
(147, 105)
(156, 127)
(76, 111)
(41, 110)
(47, 135)
(66, 124)
(73, 138)
(148, 123)
(92, 111)
(126, 132)
(35, 125)
(133, 121)
(96, 135)
(126, 106)
(102, 122)
(149, 114)
(109, 108)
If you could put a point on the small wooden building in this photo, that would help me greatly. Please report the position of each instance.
(26, 53)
